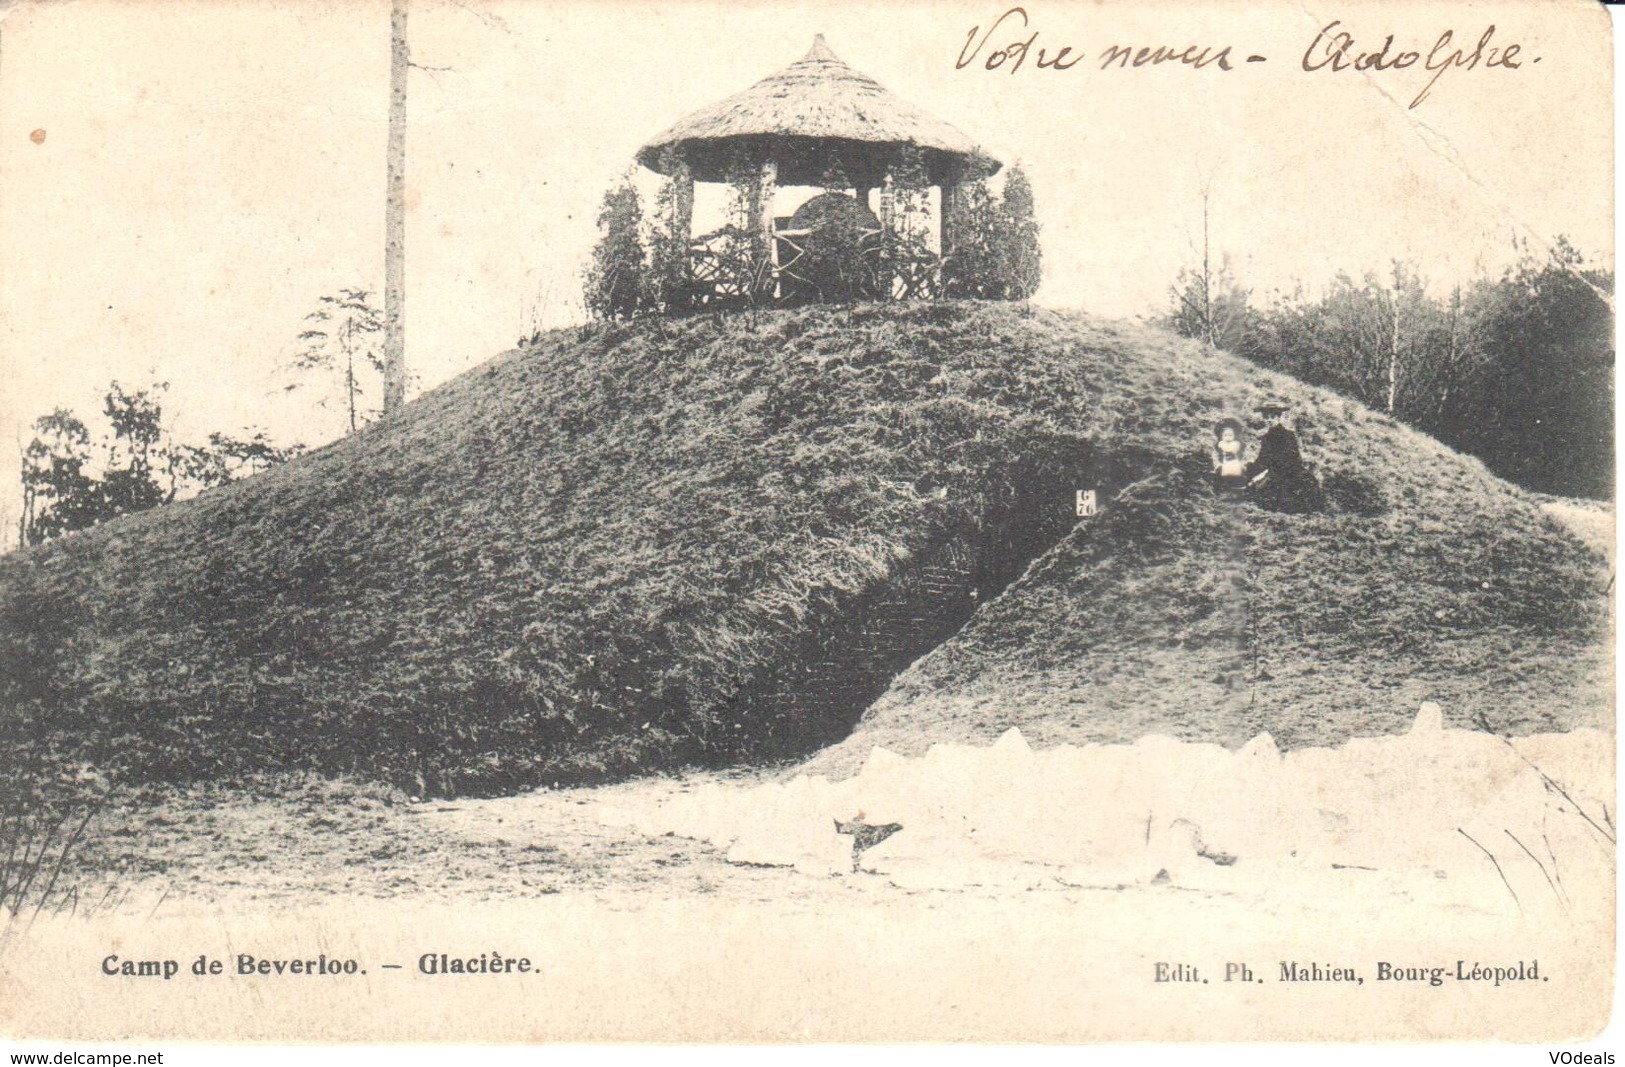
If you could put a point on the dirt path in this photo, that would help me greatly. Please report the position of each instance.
(305, 840)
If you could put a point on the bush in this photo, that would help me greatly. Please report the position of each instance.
(617, 281)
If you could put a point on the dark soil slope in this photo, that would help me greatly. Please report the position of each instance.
(641, 546)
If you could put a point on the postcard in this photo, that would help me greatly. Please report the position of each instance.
(605, 520)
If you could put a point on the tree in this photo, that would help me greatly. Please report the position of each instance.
(669, 259)
(1396, 335)
(748, 259)
(129, 477)
(342, 338)
(906, 228)
(142, 465)
(616, 281)
(225, 459)
(1022, 267)
(1437, 382)
(1385, 343)
(971, 268)
(1214, 308)
(1209, 302)
(1388, 343)
(830, 264)
(58, 492)
(1517, 370)
(910, 198)
(1206, 305)
(995, 254)
(1539, 406)
(396, 376)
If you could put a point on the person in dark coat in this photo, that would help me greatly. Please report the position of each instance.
(1277, 478)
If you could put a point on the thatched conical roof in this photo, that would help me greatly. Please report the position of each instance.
(813, 112)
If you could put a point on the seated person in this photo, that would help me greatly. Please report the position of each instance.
(1278, 478)
(1229, 454)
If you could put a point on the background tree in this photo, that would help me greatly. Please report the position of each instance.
(142, 465)
(223, 460)
(129, 480)
(1022, 267)
(1214, 307)
(616, 281)
(669, 259)
(832, 260)
(971, 269)
(1370, 339)
(1516, 370)
(1196, 290)
(341, 338)
(907, 219)
(1539, 405)
(58, 492)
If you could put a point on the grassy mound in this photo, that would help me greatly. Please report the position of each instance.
(636, 547)
(1178, 612)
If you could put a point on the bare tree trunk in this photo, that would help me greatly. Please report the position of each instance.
(349, 372)
(1393, 357)
(1452, 358)
(395, 216)
(1209, 328)
(25, 523)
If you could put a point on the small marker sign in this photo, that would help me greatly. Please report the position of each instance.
(1086, 503)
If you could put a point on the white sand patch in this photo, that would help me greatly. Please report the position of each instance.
(1372, 823)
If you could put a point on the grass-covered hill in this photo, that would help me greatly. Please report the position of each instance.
(636, 547)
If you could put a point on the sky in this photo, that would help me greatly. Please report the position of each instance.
(182, 180)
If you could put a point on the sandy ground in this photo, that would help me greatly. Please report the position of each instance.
(306, 840)
(1013, 906)
(986, 820)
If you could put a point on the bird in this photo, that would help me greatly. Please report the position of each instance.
(864, 835)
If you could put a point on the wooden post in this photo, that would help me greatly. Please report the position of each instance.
(395, 214)
(862, 193)
(888, 238)
(952, 214)
(683, 203)
(678, 286)
(767, 181)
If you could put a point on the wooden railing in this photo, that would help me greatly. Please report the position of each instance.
(727, 269)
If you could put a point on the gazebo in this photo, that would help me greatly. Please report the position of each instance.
(795, 128)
